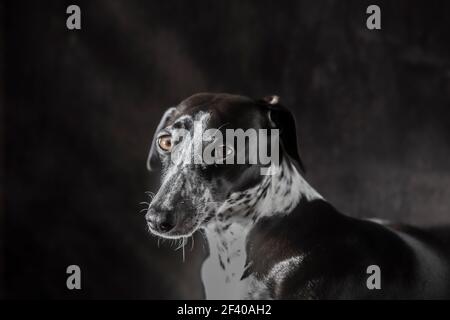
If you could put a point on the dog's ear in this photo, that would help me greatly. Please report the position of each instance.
(153, 159)
(281, 118)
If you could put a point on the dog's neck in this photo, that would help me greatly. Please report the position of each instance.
(277, 194)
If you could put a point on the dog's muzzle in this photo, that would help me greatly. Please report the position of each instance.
(175, 222)
(161, 221)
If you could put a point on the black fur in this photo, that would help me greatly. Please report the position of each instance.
(335, 250)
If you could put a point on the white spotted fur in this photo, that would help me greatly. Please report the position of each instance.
(224, 245)
(229, 245)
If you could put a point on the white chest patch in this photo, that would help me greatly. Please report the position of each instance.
(223, 269)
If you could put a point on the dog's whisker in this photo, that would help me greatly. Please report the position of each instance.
(150, 194)
(179, 243)
(183, 243)
(192, 239)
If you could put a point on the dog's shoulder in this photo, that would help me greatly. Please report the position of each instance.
(318, 251)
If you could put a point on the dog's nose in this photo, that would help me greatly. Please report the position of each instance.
(161, 220)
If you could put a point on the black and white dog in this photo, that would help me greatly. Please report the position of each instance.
(274, 236)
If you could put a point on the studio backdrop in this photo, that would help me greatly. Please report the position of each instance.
(81, 106)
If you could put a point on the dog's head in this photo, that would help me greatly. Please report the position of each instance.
(203, 172)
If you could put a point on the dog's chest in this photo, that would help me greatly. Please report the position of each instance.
(223, 269)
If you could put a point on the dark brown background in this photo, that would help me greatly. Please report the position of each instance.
(373, 109)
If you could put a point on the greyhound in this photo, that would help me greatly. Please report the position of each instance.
(273, 236)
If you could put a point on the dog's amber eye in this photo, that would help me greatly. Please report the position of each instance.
(165, 142)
